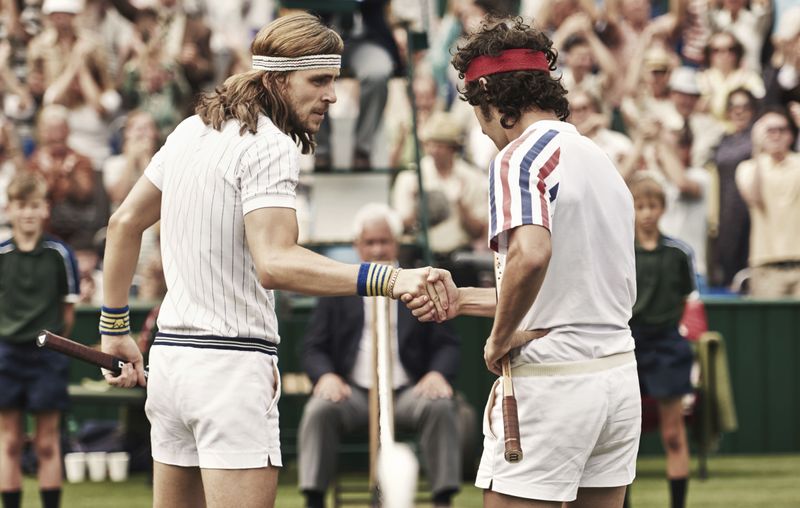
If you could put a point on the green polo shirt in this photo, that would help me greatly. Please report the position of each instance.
(664, 278)
(33, 286)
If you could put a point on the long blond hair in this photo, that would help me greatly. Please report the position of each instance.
(243, 96)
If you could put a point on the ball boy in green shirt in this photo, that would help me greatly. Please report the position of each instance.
(665, 277)
(38, 288)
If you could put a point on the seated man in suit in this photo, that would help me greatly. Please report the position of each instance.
(337, 355)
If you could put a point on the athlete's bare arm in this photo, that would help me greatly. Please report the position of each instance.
(477, 302)
(140, 210)
(526, 264)
(282, 264)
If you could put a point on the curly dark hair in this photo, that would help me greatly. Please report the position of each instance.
(515, 92)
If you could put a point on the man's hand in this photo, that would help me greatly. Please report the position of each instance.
(423, 308)
(427, 282)
(332, 387)
(124, 348)
(433, 385)
(493, 353)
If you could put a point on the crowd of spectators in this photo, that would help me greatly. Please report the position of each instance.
(704, 95)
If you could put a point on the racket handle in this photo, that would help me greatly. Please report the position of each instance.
(79, 351)
(513, 449)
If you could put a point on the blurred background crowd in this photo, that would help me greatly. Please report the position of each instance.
(702, 94)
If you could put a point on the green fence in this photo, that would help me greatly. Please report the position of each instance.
(763, 342)
(762, 339)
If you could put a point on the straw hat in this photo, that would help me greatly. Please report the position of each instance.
(443, 128)
(657, 58)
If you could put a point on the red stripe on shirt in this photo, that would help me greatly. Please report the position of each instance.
(504, 179)
(544, 172)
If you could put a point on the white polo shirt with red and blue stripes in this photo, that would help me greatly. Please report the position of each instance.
(553, 177)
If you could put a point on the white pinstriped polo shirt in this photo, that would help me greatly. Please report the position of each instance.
(209, 181)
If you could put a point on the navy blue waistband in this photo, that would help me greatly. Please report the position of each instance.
(214, 342)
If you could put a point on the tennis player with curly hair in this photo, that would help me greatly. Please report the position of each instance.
(562, 223)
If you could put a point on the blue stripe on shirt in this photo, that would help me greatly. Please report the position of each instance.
(525, 173)
(492, 205)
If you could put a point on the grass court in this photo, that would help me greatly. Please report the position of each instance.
(736, 481)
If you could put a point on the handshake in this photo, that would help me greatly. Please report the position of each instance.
(429, 293)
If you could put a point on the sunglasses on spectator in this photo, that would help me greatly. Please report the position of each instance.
(739, 106)
(777, 129)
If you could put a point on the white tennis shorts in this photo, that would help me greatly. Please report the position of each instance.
(580, 424)
(216, 409)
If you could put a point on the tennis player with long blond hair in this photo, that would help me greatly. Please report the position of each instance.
(223, 186)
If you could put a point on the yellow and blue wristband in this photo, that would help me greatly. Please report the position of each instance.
(115, 321)
(373, 279)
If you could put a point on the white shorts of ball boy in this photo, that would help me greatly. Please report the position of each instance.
(580, 424)
(213, 408)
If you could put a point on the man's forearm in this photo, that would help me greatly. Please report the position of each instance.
(298, 269)
(119, 264)
(526, 266)
(480, 302)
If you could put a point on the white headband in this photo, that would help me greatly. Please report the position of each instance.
(283, 64)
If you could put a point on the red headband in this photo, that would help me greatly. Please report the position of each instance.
(520, 59)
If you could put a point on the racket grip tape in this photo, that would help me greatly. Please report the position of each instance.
(513, 449)
(80, 351)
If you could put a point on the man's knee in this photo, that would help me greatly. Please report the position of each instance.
(11, 445)
(46, 449)
(441, 410)
(673, 440)
(319, 412)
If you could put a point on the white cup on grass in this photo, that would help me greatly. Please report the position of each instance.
(75, 467)
(97, 466)
(118, 466)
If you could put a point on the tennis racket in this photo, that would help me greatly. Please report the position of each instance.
(513, 448)
(81, 352)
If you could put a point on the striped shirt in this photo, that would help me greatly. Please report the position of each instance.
(553, 177)
(209, 181)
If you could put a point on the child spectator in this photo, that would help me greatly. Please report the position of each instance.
(664, 278)
(38, 285)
